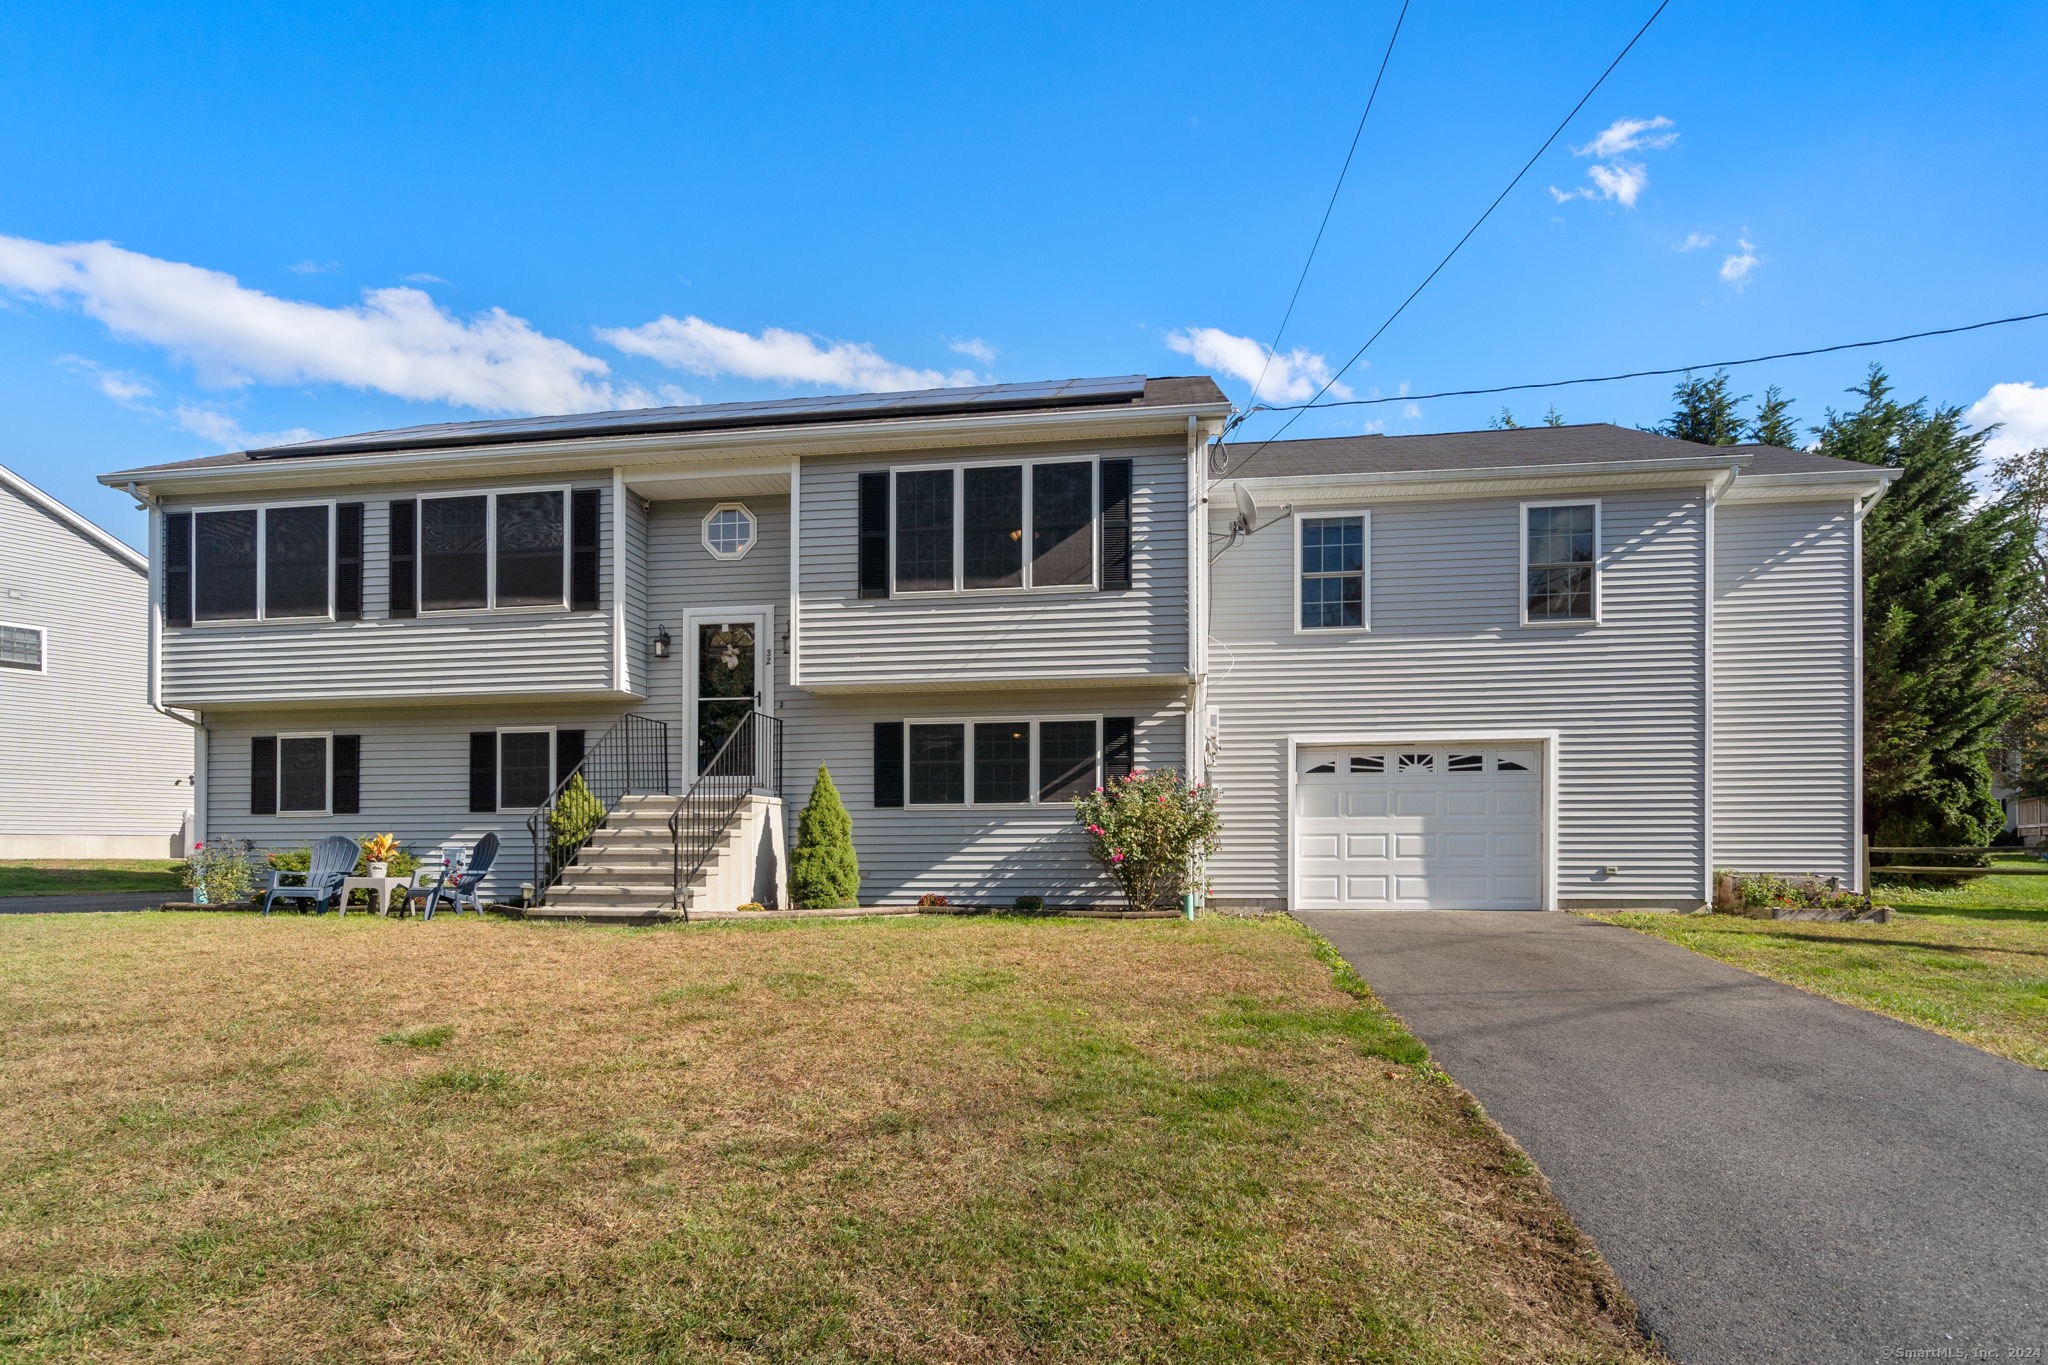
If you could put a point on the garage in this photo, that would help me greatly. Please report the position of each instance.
(1418, 827)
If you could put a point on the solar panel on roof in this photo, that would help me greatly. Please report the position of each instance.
(990, 397)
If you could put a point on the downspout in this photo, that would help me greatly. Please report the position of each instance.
(1863, 506)
(154, 683)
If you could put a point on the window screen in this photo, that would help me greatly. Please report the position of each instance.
(1332, 572)
(938, 765)
(21, 647)
(924, 531)
(224, 587)
(1062, 518)
(1066, 759)
(295, 561)
(1002, 762)
(1561, 563)
(993, 533)
(302, 773)
(454, 543)
(526, 768)
(530, 541)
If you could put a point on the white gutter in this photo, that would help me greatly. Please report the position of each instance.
(670, 447)
(1273, 490)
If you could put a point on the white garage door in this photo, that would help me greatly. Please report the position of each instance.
(1418, 828)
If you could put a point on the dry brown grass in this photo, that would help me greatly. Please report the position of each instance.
(921, 1139)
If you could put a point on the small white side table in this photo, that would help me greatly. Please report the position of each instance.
(382, 886)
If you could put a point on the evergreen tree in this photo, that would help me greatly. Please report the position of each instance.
(1706, 412)
(823, 872)
(1553, 418)
(1773, 424)
(1505, 422)
(2024, 479)
(1941, 578)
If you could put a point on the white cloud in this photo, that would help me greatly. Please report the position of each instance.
(397, 341)
(776, 354)
(314, 268)
(1736, 267)
(119, 385)
(2022, 408)
(1614, 177)
(421, 277)
(1290, 377)
(1694, 241)
(1628, 135)
(212, 423)
(975, 347)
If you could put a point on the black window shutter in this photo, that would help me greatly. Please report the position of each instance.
(1116, 524)
(348, 561)
(405, 554)
(263, 775)
(1119, 746)
(874, 537)
(178, 569)
(583, 580)
(568, 753)
(888, 763)
(348, 774)
(483, 770)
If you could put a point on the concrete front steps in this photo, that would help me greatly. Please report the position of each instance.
(626, 873)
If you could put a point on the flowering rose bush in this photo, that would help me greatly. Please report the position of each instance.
(1152, 832)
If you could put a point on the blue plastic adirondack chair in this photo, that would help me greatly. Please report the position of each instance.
(333, 859)
(460, 885)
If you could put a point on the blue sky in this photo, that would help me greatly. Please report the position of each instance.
(334, 219)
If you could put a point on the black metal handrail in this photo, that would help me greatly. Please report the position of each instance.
(749, 761)
(631, 758)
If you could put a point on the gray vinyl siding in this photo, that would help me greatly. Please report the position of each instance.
(984, 639)
(1446, 651)
(82, 754)
(1785, 765)
(434, 657)
(632, 595)
(415, 779)
(972, 856)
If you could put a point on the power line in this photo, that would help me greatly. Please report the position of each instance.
(1335, 189)
(1459, 246)
(1637, 374)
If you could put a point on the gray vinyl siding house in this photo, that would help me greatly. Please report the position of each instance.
(87, 768)
(968, 604)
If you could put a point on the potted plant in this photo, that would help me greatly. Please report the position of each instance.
(378, 850)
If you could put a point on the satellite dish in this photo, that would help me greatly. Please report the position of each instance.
(1247, 512)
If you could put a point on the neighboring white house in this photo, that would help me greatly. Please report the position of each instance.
(1529, 668)
(87, 768)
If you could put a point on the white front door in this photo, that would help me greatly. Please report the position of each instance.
(730, 658)
(1418, 827)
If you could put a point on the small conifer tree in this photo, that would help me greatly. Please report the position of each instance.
(823, 872)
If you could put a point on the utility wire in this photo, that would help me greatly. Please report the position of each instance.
(1335, 189)
(1459, 246)
(1640, 374)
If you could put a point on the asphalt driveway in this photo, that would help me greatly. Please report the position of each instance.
(1773, 1175)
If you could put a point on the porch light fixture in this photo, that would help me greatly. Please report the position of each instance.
(661, 642)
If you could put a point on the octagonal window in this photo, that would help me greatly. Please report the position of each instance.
(730, 530)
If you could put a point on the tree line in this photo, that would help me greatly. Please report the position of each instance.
(1955, 600)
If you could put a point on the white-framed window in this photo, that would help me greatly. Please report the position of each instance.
(1047, 760)
(305, 774)
(508, 548)
(1561, 562)
(269, 563)
(526, 766)
(730, 530)
(1009, 526)
(23, 648)
(1333, 559)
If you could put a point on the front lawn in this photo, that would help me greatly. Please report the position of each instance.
(76, 876)
(1969, 961)
(905, 1140)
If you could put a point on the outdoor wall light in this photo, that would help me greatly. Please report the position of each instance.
(661, 642)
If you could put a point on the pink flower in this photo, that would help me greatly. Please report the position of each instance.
(1162, 800)
(1095, 829)
(1116, 855)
